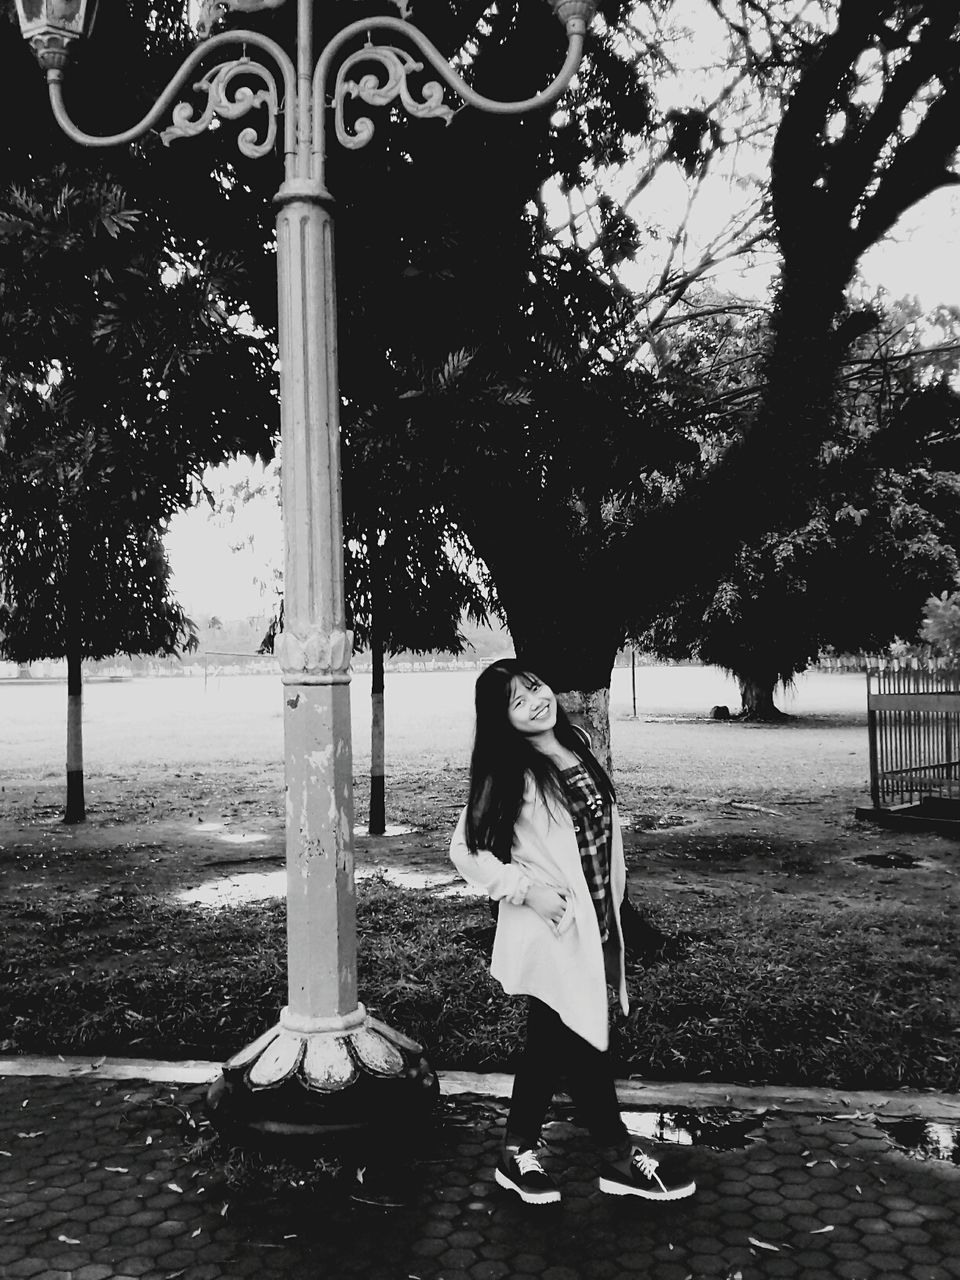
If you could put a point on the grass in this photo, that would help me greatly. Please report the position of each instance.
(760, 992)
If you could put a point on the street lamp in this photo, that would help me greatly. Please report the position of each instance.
(327, 1064)
(52, 25)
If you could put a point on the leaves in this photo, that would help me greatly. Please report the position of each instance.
(878, 529)
(122, 382)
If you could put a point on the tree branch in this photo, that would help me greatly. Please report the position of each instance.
(711, 258)
(919, 167)
(796, 162)
(856, 156)
(701, 313)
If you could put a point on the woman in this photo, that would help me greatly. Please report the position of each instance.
(540, 835)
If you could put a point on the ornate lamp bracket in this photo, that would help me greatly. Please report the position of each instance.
(217, 84)
(378, 91)
(398, 64)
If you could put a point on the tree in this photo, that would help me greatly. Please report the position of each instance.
(511, 391)
(868, 129)
(544, 523)
(881, 532)
(121, 376)
(409, 583)
(111, 303)
(941, 624)
(524, 386)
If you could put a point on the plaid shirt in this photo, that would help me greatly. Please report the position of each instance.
(593, 821)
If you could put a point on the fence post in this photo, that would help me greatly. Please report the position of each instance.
(872, 741)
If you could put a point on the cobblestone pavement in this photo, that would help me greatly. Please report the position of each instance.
(105, 1179)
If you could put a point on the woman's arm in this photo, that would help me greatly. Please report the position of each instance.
(502, 881)
(506, 882)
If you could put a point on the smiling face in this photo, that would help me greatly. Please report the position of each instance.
(531, 706)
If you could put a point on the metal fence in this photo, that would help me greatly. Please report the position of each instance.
(913, 721)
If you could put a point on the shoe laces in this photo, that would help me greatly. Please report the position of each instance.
(647, 1165)
(528, 1162)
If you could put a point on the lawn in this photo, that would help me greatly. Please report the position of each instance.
(805, 947)
(753, 992)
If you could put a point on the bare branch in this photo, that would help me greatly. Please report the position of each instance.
(857, 369)
(919, 167)
(676, 239)
(710, 259)
(702, 313)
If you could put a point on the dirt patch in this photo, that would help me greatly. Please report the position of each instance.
(171, 831)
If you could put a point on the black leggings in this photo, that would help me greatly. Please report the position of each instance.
(554, 1052)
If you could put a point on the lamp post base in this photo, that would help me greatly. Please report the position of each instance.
(293, 1090)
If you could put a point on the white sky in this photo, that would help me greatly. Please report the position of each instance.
(210, 576)
(921, 258)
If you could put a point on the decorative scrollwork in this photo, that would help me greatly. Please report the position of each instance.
(378, 91)
(213, 11)
(217, 85)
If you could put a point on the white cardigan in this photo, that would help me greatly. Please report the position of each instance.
(561, 966)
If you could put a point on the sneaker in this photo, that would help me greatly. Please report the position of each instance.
(522, 1172)
(647, 1177)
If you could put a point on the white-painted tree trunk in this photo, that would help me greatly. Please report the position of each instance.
(378, 784)
(76, 810)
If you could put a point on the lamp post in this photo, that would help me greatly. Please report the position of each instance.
(327, 1064)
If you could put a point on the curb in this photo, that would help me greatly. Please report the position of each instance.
(633, 1094)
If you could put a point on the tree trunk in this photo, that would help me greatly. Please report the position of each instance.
(756, 697)
(564, 618)
(590, 708)
(378, 806)
(576, 661)
(76, 808)
(23, 671)
(377, 824)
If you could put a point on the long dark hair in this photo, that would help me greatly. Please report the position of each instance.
(502, 758)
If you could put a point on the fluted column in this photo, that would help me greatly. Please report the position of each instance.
(314, 647)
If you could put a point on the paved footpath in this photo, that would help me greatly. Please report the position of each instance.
(103, 1179)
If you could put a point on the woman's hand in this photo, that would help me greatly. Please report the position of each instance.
(549, 903)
